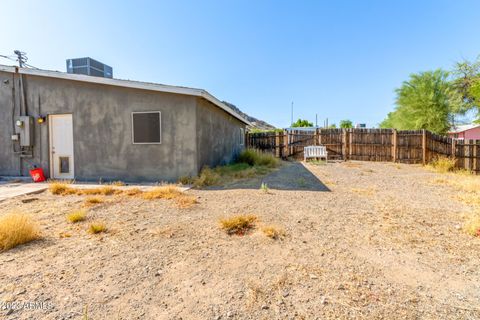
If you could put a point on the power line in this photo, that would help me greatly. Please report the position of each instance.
(8, 57)
(21, 57)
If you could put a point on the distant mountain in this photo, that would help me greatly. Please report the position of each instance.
(257, 124)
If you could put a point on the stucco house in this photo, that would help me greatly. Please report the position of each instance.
(90, 128)
(468, 131)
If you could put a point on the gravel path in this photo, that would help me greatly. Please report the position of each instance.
(363, 240)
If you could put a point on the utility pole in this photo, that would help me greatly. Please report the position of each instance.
(21, 57)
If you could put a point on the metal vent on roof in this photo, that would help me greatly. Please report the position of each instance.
(89, 67)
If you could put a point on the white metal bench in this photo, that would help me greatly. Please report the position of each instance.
(315, 152)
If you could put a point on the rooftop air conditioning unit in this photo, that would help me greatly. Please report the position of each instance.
(89, 67)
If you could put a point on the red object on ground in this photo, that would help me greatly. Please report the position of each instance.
(37, 175)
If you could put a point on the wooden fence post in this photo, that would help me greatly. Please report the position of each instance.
(474, 164)
(315, 138)
(285, 144)
(424, 147)
(454, 148)
(394, 145)
(344, 144)
(350, 142)
(277, 145)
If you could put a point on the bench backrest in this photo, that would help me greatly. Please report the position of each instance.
(315, 151)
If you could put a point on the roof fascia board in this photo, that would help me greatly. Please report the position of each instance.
(112, 82)
(7, 69)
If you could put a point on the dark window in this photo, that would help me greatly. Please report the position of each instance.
(146, 127)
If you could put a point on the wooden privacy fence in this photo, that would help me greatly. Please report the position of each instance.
(406, 146)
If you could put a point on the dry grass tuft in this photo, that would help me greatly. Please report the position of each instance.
(186, 201)
(472, 225)
(93, 200)
(273, 232)
(164, 192)
(60, 188)
(443, 164)
(239, 224)
(77, 216)
(17, 229)
(105, 190)
(118, 183)
(133, 192)
(97, 227)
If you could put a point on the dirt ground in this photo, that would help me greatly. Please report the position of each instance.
(363, 240)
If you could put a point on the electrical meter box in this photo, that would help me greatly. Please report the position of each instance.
(24, 128)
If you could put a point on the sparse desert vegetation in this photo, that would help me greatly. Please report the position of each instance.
(97, 227)
(472, 224)
(405, 245)
(238, 224)
(16, 229)
(250, 163)
(443, 164)
(273, 232)
(77, 216)
(93, 200)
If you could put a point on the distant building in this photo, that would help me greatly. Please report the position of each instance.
(467, 131)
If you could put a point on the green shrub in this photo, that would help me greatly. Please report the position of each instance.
(207, 177)
(257, 158)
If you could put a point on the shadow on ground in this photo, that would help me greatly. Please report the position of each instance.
(290, 176)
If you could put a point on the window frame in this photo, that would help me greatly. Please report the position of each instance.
(160, 127)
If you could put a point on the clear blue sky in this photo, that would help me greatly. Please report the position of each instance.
(340, 59)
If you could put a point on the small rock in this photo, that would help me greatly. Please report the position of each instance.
(158, 273)
(264, 307)
(9, 312)
(312, 276)
(286, 294)
(323, 300)
(341, 287)
(22, 291)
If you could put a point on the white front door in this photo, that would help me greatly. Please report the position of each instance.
(61, 146)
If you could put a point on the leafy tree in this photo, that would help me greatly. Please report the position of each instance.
(474, 91)
(302, 123)
(332, 126)
(346, 124)
(466, 78)
(428, 100)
